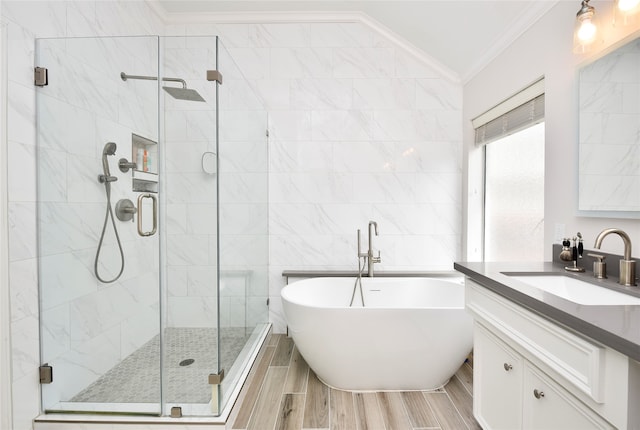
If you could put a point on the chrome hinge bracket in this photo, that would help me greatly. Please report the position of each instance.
(214, 75)
(46, 374)
(40, 76)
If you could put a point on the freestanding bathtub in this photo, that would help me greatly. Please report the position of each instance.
(411, 334)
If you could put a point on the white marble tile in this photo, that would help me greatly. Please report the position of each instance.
(404, 125)
(250, 156)
(192, 311)
(25, 347)
(20, 48)
(321, 94)
(301, 156)
(273, 93)
(311, 187)
(387, 187)
(26, 396)
(64, 278)
(22, 231)
(250, 125)
(290, 125)
(254, 62)
(361, 157)
(190, 188)
(186, 250)
(345, 125)
(301, 63)
(438, 94)
(244, 218)
(21, 110)
(240, 250)
(279, 34)
(202, 281)
(42, 18)
(23, 288)
(177, 281)
(55, 332)
(244, 188)
(363, 62)
(202, 219)
(22, 172)
(383, 94)
(138, 330)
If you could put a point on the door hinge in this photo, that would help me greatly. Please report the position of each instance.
(40, 76)
(176, 412)
(46, 374)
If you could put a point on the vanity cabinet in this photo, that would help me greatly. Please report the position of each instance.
(530, 373)
(510, 393)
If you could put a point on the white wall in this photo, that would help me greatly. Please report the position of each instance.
(544, 50)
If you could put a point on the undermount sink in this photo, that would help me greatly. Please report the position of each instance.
(577, 291)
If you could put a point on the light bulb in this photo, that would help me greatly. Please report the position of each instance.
(627, 5)
(587, 30)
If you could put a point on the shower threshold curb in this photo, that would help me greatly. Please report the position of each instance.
(83, 421)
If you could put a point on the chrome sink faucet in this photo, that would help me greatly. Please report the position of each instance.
(627, 265)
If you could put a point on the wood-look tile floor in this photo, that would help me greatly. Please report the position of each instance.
(283, 393)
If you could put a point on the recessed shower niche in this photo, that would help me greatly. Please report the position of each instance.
(144, 153)
(189, 291)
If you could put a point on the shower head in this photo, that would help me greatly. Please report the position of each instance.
(109, 148)
(183, 93)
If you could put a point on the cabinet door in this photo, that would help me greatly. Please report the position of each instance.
(497, 382)
(548, 406)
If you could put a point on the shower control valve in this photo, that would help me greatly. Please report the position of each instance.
(125, 165)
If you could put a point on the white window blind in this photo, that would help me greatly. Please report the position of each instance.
(520, 111)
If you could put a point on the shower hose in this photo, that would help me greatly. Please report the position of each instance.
(109, 213)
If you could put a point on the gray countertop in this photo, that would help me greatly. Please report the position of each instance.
(617, 327)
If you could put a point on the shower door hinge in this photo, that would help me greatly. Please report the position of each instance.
(176, 412)
(46, 374)
(216, 378)
(214, 75)
(40, 76)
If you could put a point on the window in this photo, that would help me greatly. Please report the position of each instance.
(512, 135)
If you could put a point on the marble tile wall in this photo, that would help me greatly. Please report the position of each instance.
(359, 130)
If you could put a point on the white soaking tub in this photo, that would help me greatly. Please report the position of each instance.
(411, 333)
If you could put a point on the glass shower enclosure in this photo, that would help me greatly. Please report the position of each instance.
(152, 225)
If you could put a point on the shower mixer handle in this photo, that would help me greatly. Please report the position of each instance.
(124, 165)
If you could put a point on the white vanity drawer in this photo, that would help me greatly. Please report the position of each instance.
(577, 360)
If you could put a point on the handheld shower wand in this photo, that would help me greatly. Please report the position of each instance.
(106, 179)
(109, 149)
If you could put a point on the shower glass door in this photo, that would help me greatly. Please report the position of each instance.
(152, 221)
(99, 278)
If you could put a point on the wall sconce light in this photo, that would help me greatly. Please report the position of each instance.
(586, 29)
(625, 11)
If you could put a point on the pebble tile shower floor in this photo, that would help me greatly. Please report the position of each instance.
(136, 378)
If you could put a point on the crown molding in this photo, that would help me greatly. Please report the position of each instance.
(528, 17)
(268, 17)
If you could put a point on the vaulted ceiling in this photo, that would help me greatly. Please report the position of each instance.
(462, 35)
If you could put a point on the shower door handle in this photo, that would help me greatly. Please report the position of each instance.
(153, 198)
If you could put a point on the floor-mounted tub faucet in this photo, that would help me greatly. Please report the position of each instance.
(627, 265)
(370, 258)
